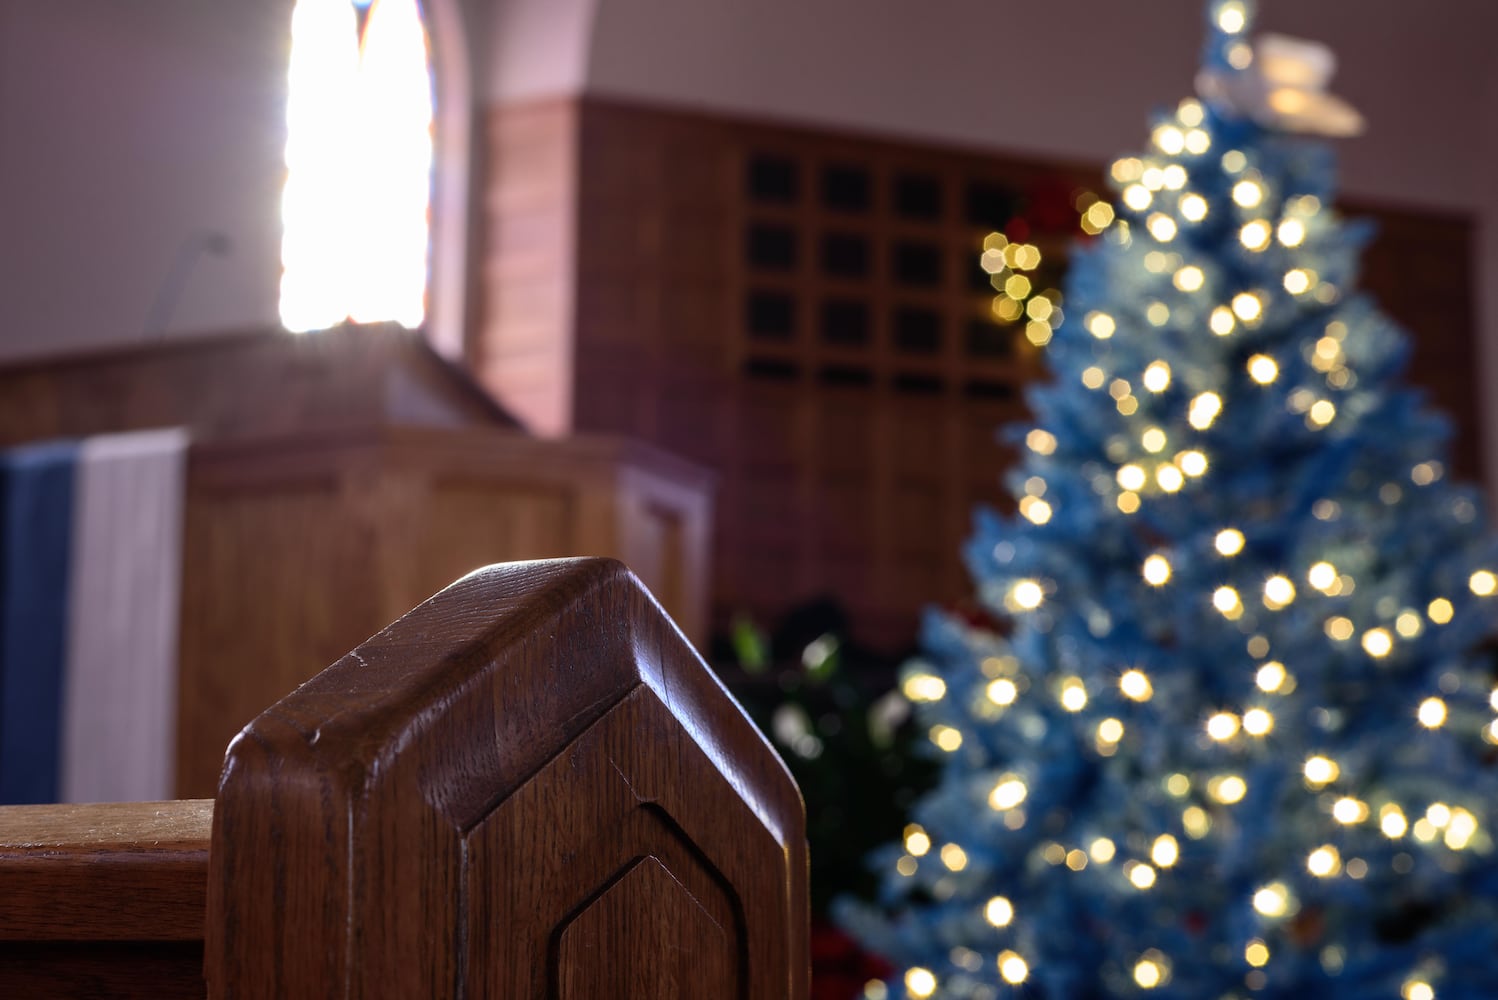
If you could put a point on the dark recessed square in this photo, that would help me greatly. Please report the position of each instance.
(844, 375)
(917, 264)
(770, 316)
(845, 323)
(990, 204)
(918, 196)
(771, 248)
(770, 369)
(985, 340)
(918, 385)
(917, 331)
(846, 188)
(845, 255)
(773, 179)
(985, 389)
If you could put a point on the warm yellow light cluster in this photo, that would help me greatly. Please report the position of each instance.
(1008, 793)
(1392, 822)
(999, 911)
(1226, 600)
(1149, 971)
(1161, 226)
(954, 857)
(1140, 875)
(1035, 510)
(1156, 570)
(1136, 686)
(920, 982)
(1222, 726)
(1097, 217)
(946, 738)
(1229, 541)
(1232, 17)
(1432, 713)
(924, 687)
(1299, 281)
(1320, 770)
(1273, 900)
(1026, 595)
(1378, 643)
(1321, 413)
(1247, 306)
(1018, 297)
(1042, 442)
(1227, 788)
(1324, 862)
(1270, 677)
(1204, 410)
(1279, 592)
(1291, 232)
(1189, 278)
(1165, 852)
(1348, 810)
(1439, 611)
(1196, 822)
(1257, 722)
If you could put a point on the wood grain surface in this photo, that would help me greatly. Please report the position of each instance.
(475, 802)
(103, 900)
(131, 871)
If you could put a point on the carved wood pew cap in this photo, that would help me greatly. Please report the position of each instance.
(529, 786)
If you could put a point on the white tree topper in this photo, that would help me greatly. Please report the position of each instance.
(1283, 87)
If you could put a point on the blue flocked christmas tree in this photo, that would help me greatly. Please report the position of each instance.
(1237, 737)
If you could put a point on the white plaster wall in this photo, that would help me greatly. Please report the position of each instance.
(1062, 78)
(535, 49)
(127, 131)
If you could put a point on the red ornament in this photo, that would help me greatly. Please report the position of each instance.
(839, 968)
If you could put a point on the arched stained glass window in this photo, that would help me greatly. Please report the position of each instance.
(356, 207)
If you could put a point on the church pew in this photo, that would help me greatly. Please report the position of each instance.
(528, 787)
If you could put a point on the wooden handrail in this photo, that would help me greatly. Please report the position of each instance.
(530, 786)
(137, 871)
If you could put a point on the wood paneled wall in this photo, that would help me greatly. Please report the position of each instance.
(527, 299)
(298, 549)
(802, 311)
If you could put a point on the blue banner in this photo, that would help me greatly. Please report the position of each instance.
(36, 526)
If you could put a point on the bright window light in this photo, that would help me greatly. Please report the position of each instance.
(355, 209)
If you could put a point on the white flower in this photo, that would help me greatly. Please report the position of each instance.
(1283, 87)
